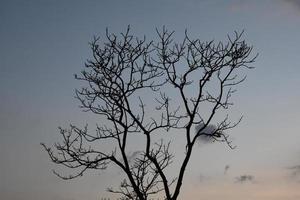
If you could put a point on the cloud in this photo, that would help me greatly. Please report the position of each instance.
(226, 169)
(132, 156)
(244, 179)
(203, 178)
(241, 6)
(295, 172)
(294, 3)
(208, 130)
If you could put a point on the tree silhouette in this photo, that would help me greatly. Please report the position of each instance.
(185, 85)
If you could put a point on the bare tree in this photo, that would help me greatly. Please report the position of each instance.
(199, 75)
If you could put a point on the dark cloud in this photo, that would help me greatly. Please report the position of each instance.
(226, 169)
(245, 179)
(207, 131)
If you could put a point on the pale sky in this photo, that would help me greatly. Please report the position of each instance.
(44, 43)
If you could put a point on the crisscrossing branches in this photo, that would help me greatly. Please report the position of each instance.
(123, 73)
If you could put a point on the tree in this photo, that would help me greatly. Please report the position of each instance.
(201, 76)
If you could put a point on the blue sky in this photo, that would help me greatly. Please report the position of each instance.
(44, 43)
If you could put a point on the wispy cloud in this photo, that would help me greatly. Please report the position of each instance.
(294, 3)
(241, 6)
(203, 178)
(295, 172)
(133, 155)
(226, 169)
(244, 179)
(291, 5)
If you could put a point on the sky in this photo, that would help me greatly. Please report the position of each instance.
(44, 43)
